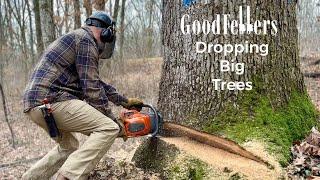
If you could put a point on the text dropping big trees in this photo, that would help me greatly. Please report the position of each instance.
(223, 24)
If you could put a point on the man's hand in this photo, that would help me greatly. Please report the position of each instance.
(133, 103)
(122, 132)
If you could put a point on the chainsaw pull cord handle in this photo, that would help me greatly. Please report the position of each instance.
(157, 118)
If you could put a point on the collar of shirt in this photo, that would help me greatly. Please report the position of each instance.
(87, 28)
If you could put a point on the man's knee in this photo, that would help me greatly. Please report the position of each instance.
(110, 128)
(68, 142)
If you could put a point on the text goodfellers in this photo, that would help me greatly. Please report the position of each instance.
(222, 24)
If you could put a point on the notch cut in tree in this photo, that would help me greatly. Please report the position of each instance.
(5, 110)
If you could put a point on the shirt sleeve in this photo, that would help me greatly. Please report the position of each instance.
(87, 68)
(113, 95)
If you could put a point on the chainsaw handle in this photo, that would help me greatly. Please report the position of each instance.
(157, 118)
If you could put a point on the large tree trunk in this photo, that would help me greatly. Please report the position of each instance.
(276, 109)
(187, 92)
(48, 26)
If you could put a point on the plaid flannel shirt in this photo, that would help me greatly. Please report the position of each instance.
(68, 69)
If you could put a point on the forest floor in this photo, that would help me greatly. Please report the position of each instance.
(32, 142)
(311, 66)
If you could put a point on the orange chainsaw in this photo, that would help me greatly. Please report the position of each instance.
(138, 122)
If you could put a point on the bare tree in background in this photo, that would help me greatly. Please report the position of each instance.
(308, 15)
(149, 30)
(88, 6)
(77, 14)
(66, 16)
(115, 10)
(17, 9)
(31, 39)
(100, 5)
(4, 104)
(2, 31)
(36, 10)
(122, 28)
(47, 22)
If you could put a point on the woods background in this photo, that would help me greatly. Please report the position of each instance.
(27, 27)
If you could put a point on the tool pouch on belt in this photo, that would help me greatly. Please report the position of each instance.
(50, 121)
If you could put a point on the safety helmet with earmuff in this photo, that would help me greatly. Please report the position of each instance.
(103, 20)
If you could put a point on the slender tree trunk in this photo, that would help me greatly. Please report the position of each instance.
(48, 26)
(115, 10)
(8, 17)
(88, 6)
(100, 5)
(31, 39)
(22, 25)
(122, 28)
(36, 10)
(110, 7)
(150, 28)
(2, 30)
(66, 17)
(77, 14)
(6, 116)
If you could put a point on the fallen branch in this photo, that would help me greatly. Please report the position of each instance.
(312, 75)
(19, 162)
(315, 63)
(6, 116)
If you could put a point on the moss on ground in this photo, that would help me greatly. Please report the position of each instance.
(254, 117)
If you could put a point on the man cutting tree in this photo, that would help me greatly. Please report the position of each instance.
(67, 79)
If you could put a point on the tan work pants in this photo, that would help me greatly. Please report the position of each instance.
(66, 158)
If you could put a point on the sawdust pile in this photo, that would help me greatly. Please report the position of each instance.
(306, 157)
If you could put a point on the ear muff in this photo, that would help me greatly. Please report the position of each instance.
(107, 35)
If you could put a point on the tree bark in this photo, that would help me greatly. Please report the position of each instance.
(123, 4)
(36, 11)
(150, 28)
(77, 14)
(187, 95)
(100, 5)
(2, 32)
(47, 22)
(8, 17)
(115, 10)
(88, 6)
(66, 17)
(31, 39)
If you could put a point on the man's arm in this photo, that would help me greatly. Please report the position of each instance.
(87, 67)
(113, 95)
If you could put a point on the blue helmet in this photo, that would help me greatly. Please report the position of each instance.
(100, 19)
